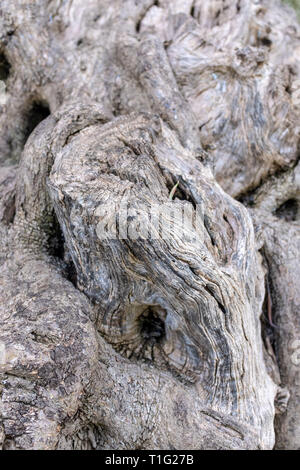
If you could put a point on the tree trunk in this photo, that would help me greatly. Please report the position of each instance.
(149, 223)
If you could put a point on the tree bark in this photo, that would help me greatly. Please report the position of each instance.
(149, 223)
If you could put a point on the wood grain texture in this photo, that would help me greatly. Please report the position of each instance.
(130, 115)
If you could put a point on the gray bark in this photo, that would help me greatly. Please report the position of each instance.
(187, 336)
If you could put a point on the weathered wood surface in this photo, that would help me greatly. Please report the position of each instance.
(174, 332)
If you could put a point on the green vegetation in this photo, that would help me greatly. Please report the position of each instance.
(295, 4)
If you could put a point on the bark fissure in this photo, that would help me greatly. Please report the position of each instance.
(149, 225)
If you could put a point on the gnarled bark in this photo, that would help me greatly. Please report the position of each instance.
(133, 284)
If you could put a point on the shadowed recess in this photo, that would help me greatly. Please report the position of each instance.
(288, 210)
(4, 67)
(38, 111)
(152, 327)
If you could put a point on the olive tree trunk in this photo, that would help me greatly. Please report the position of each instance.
(149, 219)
